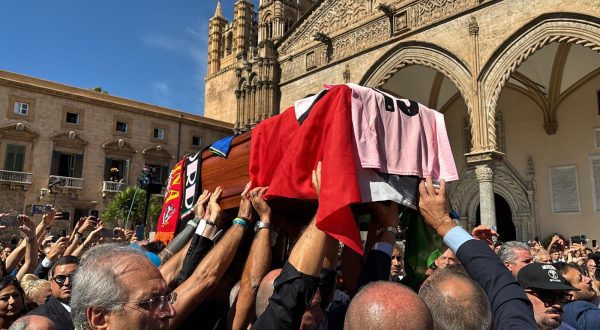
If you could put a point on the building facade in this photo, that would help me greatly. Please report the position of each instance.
(77, 148)
(516, 80)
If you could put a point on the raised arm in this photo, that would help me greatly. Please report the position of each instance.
(257, 264)
(28, 230)
(193, 291)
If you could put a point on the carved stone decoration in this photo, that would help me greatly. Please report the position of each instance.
(401, 22)
(473, 27)
(430, 11)
(72, 135)
(545, 30)
(19, 127)
(346, 74)
(121, 143)
(484, 173)
(508, 183)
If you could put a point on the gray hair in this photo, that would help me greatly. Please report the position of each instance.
(97, 285)
(450, 310)
(508, 251)
(19, 324)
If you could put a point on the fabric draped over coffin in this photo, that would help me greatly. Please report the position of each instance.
(358, 135)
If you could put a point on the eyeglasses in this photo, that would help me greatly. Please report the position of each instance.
(61, 279)
(158, 303)
(398, 258)
(549, 297)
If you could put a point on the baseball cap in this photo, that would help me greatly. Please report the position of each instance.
(542, 276)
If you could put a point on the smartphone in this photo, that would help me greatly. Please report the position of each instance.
(139, 232)
(593, 242)
(11, 220)
(62, 233)
(94, 213)
(41, 209)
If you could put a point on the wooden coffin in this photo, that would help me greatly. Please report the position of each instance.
(232, 175)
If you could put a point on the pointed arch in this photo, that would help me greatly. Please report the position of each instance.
(556, 27)
(425, 54)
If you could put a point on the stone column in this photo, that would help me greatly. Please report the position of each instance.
(487, 207)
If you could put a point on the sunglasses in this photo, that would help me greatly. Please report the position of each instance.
(61, 279)
(549, 297)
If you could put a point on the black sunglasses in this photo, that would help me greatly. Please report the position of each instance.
(61, 279)
(549, 297)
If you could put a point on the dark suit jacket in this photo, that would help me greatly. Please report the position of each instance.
(56, 312)
(510, 307)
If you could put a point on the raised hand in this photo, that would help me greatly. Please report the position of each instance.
(28, 226)
(433, 206)
(213, 205)
(386, 213)
(485, 233)
(57, 249)
(200, 207)
(245, 210)
(259, 204)
(48, 218)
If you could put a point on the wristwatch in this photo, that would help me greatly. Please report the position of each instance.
(260, 225)
(391, 229)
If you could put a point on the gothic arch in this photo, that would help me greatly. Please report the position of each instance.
(558, 27)
(425, 54)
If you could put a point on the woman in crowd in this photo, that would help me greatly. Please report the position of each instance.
(36, 290)
(12, 301)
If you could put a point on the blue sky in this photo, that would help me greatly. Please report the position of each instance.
(151, 51)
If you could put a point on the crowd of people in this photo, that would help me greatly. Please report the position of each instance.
(260, 270)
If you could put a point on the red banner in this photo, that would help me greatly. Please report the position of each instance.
(167, 222)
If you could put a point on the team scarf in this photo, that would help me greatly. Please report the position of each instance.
(169, 216)
(192, 185)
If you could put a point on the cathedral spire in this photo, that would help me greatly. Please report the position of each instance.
(218, 11)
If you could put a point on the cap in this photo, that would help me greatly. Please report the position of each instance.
(542, 276)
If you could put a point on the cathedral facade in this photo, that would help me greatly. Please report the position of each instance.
(517, 81)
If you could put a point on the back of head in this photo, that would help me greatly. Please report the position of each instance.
(508, 251)
(265, 291)
(387, 305)
(96, 282)
(456, 301)
(33, 322)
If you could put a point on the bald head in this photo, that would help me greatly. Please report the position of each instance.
(387, 305)
(265, 291)
(33, 322)
(456, 301)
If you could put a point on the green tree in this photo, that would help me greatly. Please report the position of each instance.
(115, 213)
(98, 89)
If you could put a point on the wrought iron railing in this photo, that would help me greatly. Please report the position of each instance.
(67, 182)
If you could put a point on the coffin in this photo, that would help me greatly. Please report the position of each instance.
(232, 175)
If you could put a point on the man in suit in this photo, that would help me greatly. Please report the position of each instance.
(510, 307)
(57, 307)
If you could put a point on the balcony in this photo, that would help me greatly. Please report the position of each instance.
(15, 177)
(113, 187)
(67, 182)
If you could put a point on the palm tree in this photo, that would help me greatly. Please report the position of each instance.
(117, 212)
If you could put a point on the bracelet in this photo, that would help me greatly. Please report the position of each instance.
(241, 222)
(442, 222)
(210, 223)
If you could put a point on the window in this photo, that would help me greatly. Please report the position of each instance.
(68, 165)
(15, 158)
(116, 170)
(121, 127)
(72, 118)
(159, 134)
(595, 169)
(21, 108)
(196, 141)
(564, 189)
